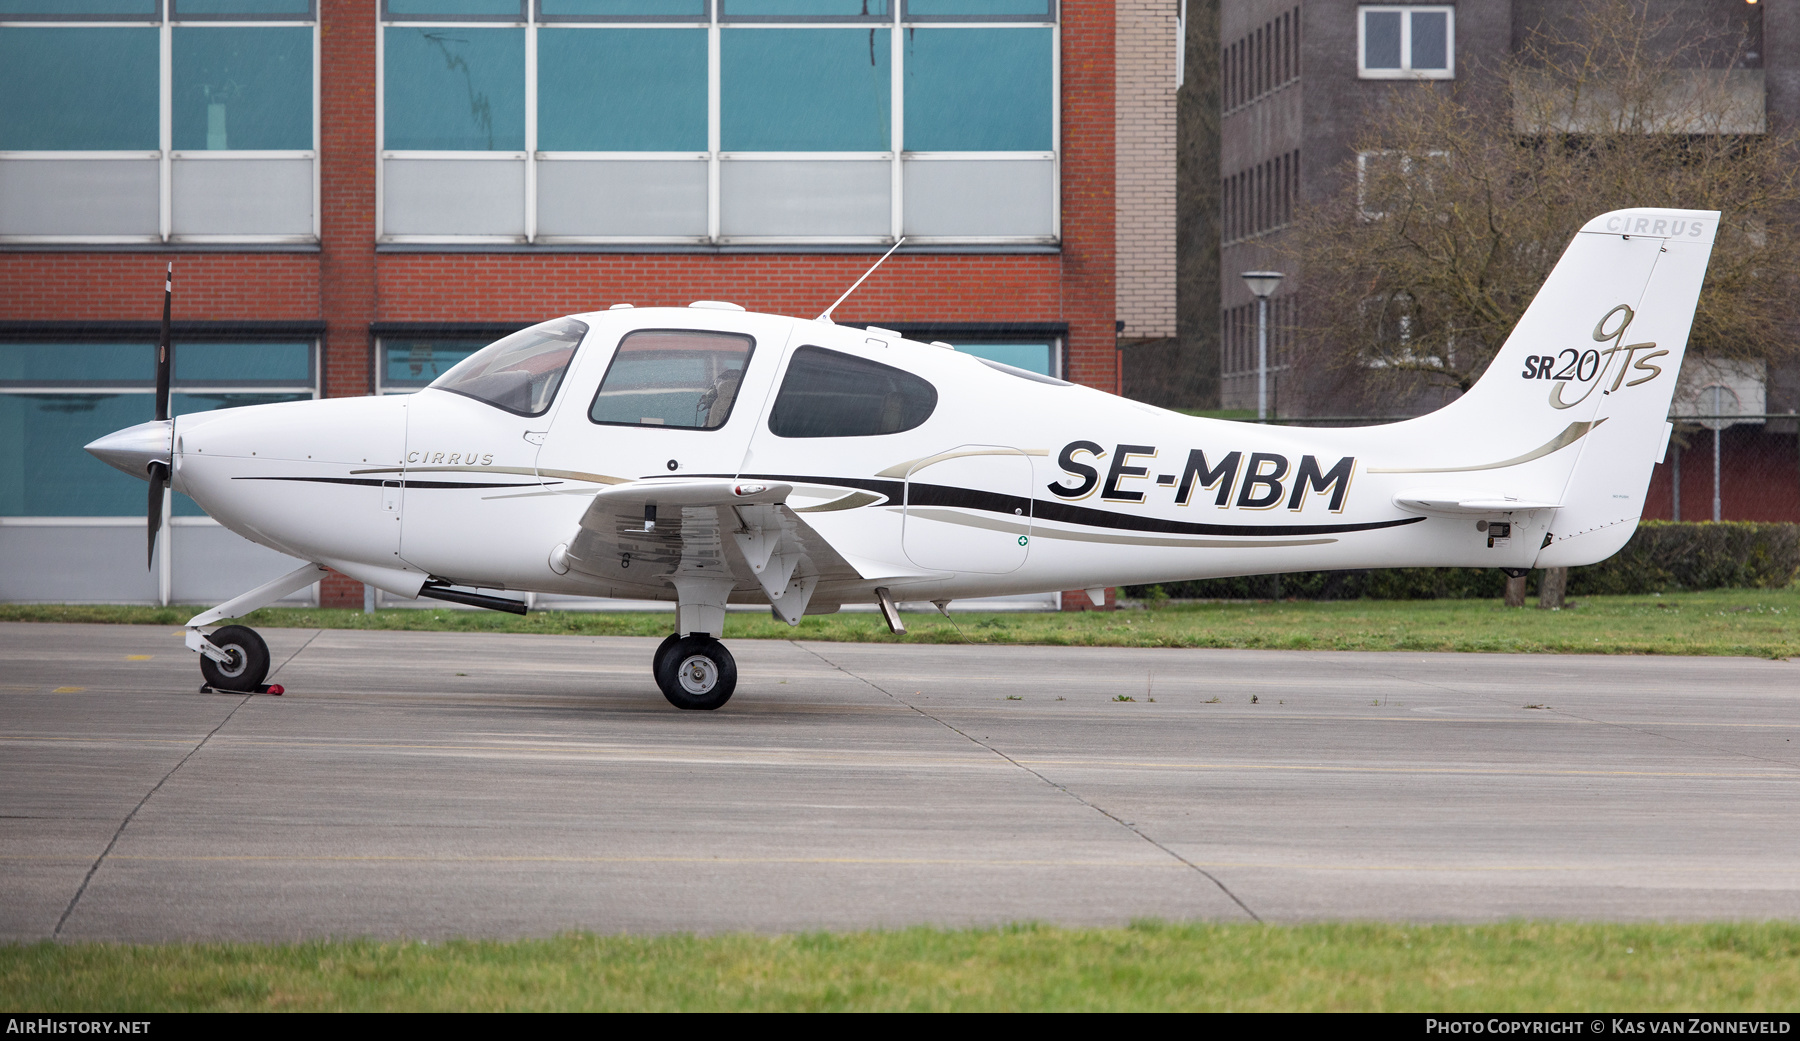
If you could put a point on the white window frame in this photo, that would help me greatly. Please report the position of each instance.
(165, 153)
(1362, 174)
(897, 22)
(1406, 71)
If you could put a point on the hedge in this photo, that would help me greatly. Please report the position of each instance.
(1662, 557)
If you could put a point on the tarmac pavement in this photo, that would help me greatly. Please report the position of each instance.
(432, 785)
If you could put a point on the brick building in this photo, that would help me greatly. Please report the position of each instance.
(1298, 78)
(357, 193)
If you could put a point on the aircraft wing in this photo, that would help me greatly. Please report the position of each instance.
(707, 529)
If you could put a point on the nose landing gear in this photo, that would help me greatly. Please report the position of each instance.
(695, 671)
(246, 664)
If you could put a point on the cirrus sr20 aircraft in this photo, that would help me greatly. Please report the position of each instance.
(712, 456)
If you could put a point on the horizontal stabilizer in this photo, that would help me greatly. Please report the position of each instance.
(1459, 503)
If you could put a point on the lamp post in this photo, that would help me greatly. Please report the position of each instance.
(1262, 284)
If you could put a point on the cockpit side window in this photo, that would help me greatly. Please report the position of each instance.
(828, 394)
(519, 373)
(673, 378)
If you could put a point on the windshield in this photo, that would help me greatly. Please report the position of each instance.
(519, 373)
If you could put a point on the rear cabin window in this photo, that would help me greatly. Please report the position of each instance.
(827, 394)
(673, 378)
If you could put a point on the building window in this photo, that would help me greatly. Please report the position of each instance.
(130, 121)
(56, 397)
(740, 122)
(1262, 62)
(1406, 43)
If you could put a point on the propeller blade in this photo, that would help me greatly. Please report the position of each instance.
(159, 485)
(164, 356)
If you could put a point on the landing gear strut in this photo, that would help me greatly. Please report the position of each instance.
(695, 671)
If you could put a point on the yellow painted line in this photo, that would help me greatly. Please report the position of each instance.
(139, 657)
(68, 690)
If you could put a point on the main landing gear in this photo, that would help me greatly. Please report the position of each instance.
(694, 671)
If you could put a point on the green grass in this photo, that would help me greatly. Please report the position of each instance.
(1754, 622)
(1511, 966)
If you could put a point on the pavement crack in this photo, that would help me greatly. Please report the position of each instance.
(1063, 788)
(80, 890)
(285, 661)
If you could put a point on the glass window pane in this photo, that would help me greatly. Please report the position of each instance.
(519, 373)
(243, 8)
(61, 364)
(243, 363)
(828, 394)
(451, 9)
(622, 90)
(78, 89)
(601, 9)
(804, 90)
(43, 470)
(1430, 40)
(979, 90)
(411, 364)
(802, 9)
(460, 89)
(243, 88)
(1381, 39)
(54, 9)
(922, 9)
(1032, 357)
(673, 378)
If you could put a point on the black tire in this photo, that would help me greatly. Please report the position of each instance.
(696, 672)
(656, 658)
(249, 660)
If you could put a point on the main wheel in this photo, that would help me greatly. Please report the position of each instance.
(662, 650)
(249, 664)
(696, 672)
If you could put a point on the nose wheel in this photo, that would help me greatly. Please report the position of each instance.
(695, 672)
(248, 663)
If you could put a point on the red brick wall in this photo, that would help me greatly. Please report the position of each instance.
(129, 286)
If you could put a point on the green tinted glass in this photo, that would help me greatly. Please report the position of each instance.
(454, 89)
(242, 88)
(414, 363)
(243, 363)
(803, 9)
(59, 364)
(804, 90)
(54, 9)
(622, 90)
(1032, 357)
(78, 88)
(43, 470)
(979, 90)
(449, 9)
(601, 9)
(972, 9)
(242, 8)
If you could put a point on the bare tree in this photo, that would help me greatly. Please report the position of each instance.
(1465, 194)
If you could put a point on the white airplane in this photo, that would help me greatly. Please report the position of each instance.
(713, 456)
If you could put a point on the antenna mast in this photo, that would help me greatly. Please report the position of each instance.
(826, 317)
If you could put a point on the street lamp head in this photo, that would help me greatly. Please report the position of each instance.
(1262, 283)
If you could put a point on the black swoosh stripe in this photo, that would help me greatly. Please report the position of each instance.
(371, 483)
(1041, 509)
